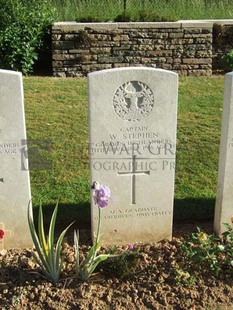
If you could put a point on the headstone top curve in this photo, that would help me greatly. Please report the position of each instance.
(132, 69)
(10, 72)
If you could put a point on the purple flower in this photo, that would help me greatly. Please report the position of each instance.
(130, 247)
(101, 195)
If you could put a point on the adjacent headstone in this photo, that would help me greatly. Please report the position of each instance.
(14, 175)
(224, 199)
(132, 119)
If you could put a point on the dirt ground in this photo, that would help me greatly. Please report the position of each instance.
(157, 277)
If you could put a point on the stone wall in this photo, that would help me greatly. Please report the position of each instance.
(184, 47)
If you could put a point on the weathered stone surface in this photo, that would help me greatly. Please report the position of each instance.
(204, 54)
(224, 206)
(95, 67)
(159, 35)
(109, 59)
(119, 65)
(79, 51)
(63, 44)
(57, 64)
(176, 35)
(63, 56)
(132, 119)
(100, 37)
(88, 58)
(197, 61)
(100, 50)
(121, 37)
(15, 192)
(159, 53)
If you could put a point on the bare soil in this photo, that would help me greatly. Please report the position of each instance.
(158, 277)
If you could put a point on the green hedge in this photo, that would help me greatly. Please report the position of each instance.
(23, 24)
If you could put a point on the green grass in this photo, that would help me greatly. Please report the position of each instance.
(56, 110)
(140, 10)
(198, 138)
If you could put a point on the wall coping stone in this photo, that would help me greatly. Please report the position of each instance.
(72, 25)
(205, 23)
(213, 21)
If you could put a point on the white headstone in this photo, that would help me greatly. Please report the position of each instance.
(132, 119)
(14, 175)
(224, 199)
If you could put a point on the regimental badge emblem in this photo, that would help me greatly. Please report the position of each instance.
(133, 101)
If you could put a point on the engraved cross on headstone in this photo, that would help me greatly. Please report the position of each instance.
(133, 173)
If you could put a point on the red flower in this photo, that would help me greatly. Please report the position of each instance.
(1, 234)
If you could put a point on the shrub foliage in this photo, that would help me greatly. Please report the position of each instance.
(227, 61)
(23, 25)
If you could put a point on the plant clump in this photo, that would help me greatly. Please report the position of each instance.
(227, 61)
(210, 253)
(23, 26)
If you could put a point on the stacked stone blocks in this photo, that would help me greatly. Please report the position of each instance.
(78, 49)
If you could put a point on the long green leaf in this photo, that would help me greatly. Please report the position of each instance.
(57, 263)
(92, 252)
(35, 238)
(50, 241)
(98, 260)
(76, 247)
(41, 228)
(52, 226)
(44, 245)
(84, 274)
(87, 270)
(46, 249)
